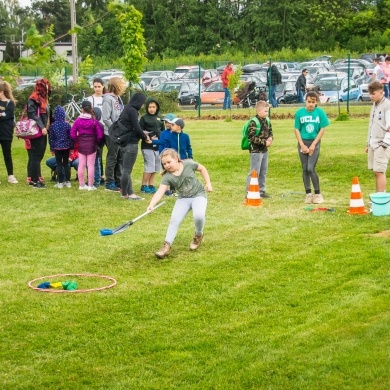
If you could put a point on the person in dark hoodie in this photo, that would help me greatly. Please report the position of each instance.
(61, 143)
(153, 125)
(129, 119)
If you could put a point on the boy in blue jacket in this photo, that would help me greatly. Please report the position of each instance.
(179, 140)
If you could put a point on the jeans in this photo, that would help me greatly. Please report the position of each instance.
(386, 90)
(129, 153)
(52, 163)
(274, 102)
(97, 176)
(38, 148)
(226, 99)
(300, 94)
(114, 161)
(259, 163)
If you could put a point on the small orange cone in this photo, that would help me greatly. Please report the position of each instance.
(253, 197)
(356, 203)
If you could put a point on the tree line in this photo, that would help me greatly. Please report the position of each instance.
(196, 27)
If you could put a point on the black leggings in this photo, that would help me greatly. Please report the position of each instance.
(63, 168)
(6, 147)
(38, 148)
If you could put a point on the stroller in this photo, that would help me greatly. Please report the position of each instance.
(249, 95)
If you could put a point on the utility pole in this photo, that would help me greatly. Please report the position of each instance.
(21, 43)
(74, 41)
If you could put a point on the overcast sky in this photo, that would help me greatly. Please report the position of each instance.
(25, 3)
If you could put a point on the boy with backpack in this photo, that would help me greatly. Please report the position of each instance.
(258, 131)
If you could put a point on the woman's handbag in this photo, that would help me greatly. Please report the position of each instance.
(27, 128)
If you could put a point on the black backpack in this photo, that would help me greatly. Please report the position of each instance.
(119, 133)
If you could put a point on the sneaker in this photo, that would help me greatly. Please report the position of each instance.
(168, 193)
(68, 184)
(309, 198)
(152, 189)
(196, 241)
(318, 199)
(39, 185)
(136, 197)
(92, 188)
(112, 187)
(264, 195)
(59, 185)
(12, 179)
(96, 184)
(164, 251)
(145, 189)
(83, 188)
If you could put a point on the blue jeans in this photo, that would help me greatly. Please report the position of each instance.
(386, 90)
(226, 99)
(52, 164)
(300, 96)
(273, 96)
(97, 176)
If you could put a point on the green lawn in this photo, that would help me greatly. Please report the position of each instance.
(277, 297)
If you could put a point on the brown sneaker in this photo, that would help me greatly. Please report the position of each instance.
(196, 241)
(164, 251)
(309, 199)
(318, 199)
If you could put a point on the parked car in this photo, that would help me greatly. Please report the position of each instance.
(22, 86)
(105, 75)
(168, 74)
(324, 75)
(207, 76)
(180, 71)
(151, 82)
(284, 88)
(357, 72)
(188, 91)
(288, 98)
(335, 89)
(214, 94)
(251, 68)
(365, 96)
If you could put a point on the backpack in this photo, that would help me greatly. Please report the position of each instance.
(119, 133)
(245, 144)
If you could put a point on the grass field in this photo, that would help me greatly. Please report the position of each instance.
(277, 297)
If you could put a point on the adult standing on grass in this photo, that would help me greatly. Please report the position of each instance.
(129, 120)
(378, 140)
(192, 195)
(310, 123)
(274, 78)
(38, 109)
(7, 118)
(300, 86)
(225, 84)
(111, 110)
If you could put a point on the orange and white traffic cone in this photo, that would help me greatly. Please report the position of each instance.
(253, 197)
(356, 203)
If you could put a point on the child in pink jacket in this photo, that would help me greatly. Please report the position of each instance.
(88, 133)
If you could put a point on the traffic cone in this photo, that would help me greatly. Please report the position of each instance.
(356, 203)
(253, 197)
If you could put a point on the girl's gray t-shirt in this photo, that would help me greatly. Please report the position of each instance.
(186, 184)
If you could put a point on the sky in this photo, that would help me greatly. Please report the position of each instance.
(25, 3)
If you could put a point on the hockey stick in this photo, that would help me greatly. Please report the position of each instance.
(121, 228)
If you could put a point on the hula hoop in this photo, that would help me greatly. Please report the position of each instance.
(52, 290)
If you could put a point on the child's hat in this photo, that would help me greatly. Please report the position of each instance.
(177, 121)
(169, 117)
(86, 104)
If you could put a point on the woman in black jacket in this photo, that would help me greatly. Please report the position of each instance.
(129, 119)
(38, 109)
(7, 120)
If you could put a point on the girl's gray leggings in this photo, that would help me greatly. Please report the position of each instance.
(181, 209)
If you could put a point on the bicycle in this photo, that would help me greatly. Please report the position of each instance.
(73, 108)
